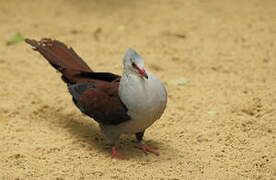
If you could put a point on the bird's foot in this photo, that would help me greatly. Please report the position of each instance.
(115, 154)
(147, 149)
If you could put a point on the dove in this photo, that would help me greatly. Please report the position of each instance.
(126, 104)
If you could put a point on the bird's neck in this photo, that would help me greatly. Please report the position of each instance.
(128, 73)
(131, 80)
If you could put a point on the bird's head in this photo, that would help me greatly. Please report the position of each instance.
(133, 62)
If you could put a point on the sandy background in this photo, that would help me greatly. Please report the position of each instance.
(219, 125)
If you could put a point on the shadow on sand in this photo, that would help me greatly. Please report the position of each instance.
(85, 132)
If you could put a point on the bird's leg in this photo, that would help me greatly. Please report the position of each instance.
(143, 147)
(113, 140)
(115, 154)
(139, 136)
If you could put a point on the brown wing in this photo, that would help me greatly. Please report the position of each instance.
(100, 101)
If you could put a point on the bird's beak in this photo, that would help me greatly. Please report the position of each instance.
(143, 73)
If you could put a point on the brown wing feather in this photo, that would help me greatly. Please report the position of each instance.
(101, 103)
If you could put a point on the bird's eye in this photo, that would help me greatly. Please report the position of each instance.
(133, 64)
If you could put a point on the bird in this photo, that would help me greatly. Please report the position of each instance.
(126, 104)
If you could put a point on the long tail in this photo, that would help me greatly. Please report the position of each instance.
(62, 58)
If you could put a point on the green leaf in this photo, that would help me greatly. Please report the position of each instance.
(180, 81)
(212, 112)
(18, 37)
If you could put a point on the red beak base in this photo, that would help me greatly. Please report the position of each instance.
(143, 73)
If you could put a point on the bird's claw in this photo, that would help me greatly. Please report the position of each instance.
(115, 154)
(147, 149)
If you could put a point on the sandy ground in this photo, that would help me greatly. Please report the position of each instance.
(218, 125)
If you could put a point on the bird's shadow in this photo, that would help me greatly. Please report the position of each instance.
(86, 132)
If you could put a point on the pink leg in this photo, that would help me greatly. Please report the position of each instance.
(147, 149)
(115, 154)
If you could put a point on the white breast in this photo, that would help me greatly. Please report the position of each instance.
(145, 99)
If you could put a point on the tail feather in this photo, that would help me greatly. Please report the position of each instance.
(62, 58)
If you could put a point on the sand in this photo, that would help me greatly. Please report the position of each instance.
(217, 59)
